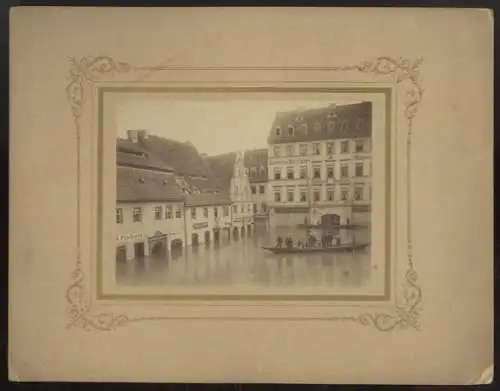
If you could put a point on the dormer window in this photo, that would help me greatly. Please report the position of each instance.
(303, 128)
(331, 126)
(290, 130)
(344, 126)
(317, 127)
(278, 131)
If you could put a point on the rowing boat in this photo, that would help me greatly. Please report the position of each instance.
(331, 249)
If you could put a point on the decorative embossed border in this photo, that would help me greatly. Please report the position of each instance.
(405, 71)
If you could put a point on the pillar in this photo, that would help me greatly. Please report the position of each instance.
(168, 244)
(130, 251)
(146, 248)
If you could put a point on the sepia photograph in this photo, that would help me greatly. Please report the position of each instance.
(259, 193)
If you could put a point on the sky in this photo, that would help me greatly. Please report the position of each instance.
(212, 126)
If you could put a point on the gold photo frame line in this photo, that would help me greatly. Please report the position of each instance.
(387, 92)
(87, 70)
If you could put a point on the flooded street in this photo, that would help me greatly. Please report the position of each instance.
(243, 262)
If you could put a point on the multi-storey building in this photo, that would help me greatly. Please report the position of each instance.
(231, 176)
(256, 167)
(208, 218)
(150, 206)
(206, 207)
(320, 165)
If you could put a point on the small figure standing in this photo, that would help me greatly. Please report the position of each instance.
(279, 241)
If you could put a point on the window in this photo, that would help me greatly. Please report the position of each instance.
(242, 209)
(303, 149)
(254, 208)
(358, 193)
(344, 146)
(290, 130)
(329, 148)
(277, 196)
(157, 212)
(235, 209)
(316, 195)
(178, 212)
(263, 207)
(253, 170)
(303, 128)
(262, 171)
(168, 213)
(254, 190)
(317, 172)
(277, 173)
(329, 172)
(359, 169)
(276, 151)
(317, 127)
(344, 170)
(119, 216)
(359, 145)
(302, 172)
(137, 215)
(262, 189)
(278, 131)
(344, 194)
(330, 195)
(344, 126)
(249, 208)
(193, 213)
(289, 196)
(289, 172)
(331, 126)
(289, 150)
(226, 211)
(205, 213)
(316, 149)
(303, 196)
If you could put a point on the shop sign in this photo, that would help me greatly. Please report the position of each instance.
(200, 225)
(130, 237)
(288, 161)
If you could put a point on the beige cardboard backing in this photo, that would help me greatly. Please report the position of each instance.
(450, 196)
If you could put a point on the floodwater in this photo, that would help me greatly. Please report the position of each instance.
(242, 261)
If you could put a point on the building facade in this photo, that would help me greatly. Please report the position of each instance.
(232, 177)
(149, 208)
(256, 168)
(208, 219)
(319, 166)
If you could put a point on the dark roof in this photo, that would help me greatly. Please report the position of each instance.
(221, 167)
(357, 120)
(147, 186)
(208, 199)
(131, 155)
(182, 157)
(255, 160)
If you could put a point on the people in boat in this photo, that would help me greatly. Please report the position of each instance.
(289, 242)
(300, 244)
(279, 241)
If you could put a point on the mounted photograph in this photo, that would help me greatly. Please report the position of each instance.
(254, 193)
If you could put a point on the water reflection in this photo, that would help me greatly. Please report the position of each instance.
(244, 262)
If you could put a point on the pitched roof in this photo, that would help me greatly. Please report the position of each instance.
(134, 185)
(208, 199)
(256, 162)
(221, 167)
(331, 122)
(182, 157)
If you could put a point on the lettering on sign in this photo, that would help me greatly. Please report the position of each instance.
(200, 225)
(288, 161)
(129, 237)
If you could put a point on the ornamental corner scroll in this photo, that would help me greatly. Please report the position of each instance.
(85, 70)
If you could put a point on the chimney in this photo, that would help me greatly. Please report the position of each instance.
(133, 135)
